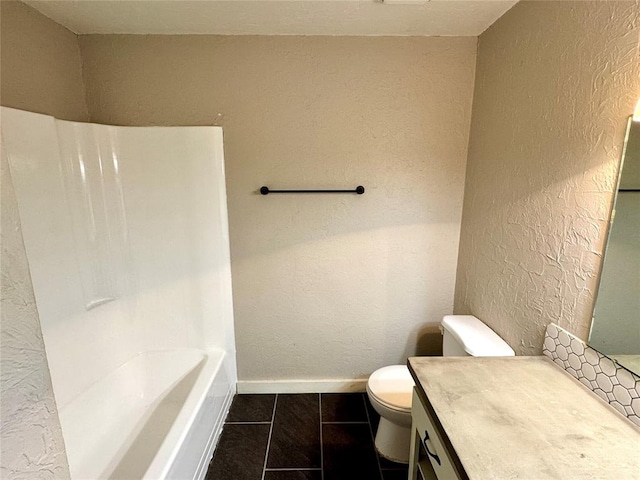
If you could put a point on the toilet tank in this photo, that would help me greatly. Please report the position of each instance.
(466, 335)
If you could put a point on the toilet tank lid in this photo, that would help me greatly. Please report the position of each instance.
(477, 339)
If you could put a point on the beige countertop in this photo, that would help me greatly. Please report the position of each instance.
(525, 418)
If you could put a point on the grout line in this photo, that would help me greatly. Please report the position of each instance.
(366, 422)
(321, 441)
(373, 438)
(273, 420)
(247, 423)
(292, 469)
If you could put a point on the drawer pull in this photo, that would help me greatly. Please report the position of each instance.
(426, 447)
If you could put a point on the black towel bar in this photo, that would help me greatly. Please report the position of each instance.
(266, 191)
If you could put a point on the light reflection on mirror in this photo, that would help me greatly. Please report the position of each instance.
(616, 321)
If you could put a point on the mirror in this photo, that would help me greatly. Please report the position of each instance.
(615, 330)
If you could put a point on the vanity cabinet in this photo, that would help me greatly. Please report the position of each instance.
(429, 458)
(514, 418)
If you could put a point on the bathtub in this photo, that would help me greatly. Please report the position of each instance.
(157, 416)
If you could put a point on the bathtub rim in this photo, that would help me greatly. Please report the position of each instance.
(173, 441)
(211, 360)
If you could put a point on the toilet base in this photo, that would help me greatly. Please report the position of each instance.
(393, 441)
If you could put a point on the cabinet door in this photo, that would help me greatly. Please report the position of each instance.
(425, 437)
(419, 464)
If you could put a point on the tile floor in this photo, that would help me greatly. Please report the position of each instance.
(313, 436)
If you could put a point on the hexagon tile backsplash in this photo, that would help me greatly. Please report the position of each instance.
(614, 384)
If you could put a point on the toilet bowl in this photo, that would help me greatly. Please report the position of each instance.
(390, 389)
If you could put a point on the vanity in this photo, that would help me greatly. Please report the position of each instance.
(514, 418)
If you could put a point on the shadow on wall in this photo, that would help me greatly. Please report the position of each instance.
(429, 341)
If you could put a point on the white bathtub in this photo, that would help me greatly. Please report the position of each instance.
(157, 416)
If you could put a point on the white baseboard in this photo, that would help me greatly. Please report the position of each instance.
(303, 386)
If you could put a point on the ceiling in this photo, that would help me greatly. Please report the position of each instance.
(275, 17)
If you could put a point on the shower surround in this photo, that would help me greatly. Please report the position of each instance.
(126, 235)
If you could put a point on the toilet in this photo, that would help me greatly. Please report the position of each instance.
(390, 388)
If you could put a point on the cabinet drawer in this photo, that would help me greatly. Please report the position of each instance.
(438, 455)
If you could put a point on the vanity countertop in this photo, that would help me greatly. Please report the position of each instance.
(525, 418)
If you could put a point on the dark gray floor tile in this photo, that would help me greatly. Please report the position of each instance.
(251, 408)
(293, 475)
(240, 453)
(389, 465)
(343, 407)
(295, 441)
(349, 452)
(374, 418)
(395, 474)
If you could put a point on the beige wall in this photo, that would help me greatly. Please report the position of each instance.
(555, 83)
(41, 68)
(325, 287)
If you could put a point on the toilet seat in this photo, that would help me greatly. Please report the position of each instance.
(393, 387)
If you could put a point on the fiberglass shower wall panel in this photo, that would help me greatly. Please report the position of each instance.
(85, 324)
(175, 200)
(89, 162)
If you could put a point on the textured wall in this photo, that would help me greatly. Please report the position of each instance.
(31, 445)
(555, 83)
(330, 286)
(41, 64)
